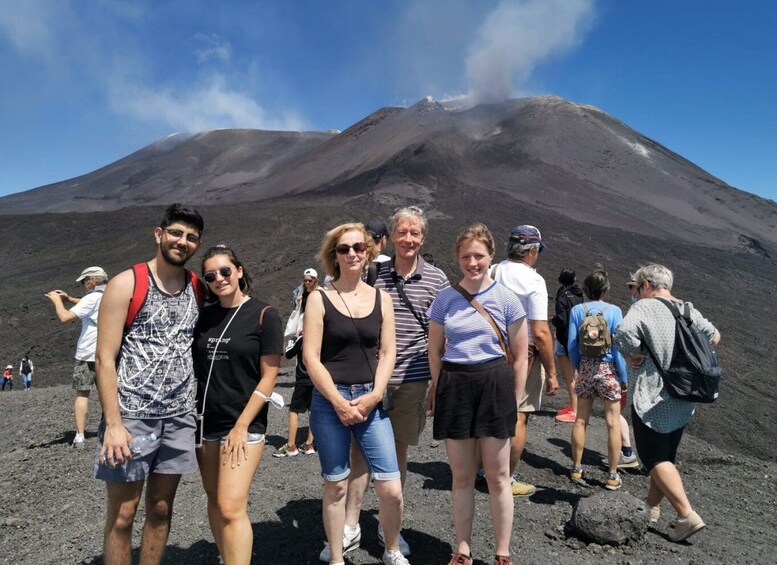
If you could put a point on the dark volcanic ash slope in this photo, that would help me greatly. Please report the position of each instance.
(570, 158)
(199, 168)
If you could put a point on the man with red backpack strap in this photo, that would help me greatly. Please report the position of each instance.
(147, 389)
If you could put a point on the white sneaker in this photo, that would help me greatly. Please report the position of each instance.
(404, 548)
(394, 558)
(79, 441)
(351, 539)
(624, 462)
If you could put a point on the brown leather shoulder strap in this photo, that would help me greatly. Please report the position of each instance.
(483, 312)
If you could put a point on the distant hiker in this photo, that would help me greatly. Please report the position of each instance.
(301, 400)
(412, 285)
(659, 419)
(477, 387)
(301, 292)
(238, 343)
(517, 273)
(146, 383)
(601, 373)
(567, 296)
(8, 377)
(93, 279)
(26, 370)
(349, 351)
(302, 395)
(379, 233)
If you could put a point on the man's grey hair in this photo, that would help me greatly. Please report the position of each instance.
(99, 280)
(409, 212)
(517, 251)
(657, 275)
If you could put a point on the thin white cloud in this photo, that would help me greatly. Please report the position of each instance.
(213, 47)
(29, 27)
(517, 36)
(209, 105)
(99, 50)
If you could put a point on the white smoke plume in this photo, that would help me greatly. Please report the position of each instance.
(516, 37)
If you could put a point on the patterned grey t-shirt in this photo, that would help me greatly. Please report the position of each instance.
(650, 322)
(156, 376)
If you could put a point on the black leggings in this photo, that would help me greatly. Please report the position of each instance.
(654, 447)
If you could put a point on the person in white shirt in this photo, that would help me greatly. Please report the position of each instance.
(518, 274)
(93, 279)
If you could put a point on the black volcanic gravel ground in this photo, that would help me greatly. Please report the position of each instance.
(52, 511)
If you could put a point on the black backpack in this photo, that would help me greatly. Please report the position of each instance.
(693, 373)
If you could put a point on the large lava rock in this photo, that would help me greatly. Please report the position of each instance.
(612, 518)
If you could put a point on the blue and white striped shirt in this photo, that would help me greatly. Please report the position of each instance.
(421, 288)
(470, 339)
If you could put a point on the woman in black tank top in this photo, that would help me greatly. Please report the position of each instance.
(349, 350)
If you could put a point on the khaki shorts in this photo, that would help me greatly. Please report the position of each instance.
(83, 375)
(408, 417)
(535, 384)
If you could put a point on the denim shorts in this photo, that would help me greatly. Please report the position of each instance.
(558, 349)
(374, 437)
(172, 453)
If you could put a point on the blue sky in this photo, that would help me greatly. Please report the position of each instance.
(84, 83)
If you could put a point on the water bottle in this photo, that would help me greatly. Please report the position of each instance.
(139, 443)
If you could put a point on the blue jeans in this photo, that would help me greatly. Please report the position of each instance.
(26, 380)
(374, 436)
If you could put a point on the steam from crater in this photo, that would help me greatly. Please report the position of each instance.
(516, 37)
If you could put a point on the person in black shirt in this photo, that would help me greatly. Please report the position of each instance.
(238, 343)
(568, 295)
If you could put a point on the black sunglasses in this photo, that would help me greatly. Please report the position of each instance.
(210, 276)
(358, 247)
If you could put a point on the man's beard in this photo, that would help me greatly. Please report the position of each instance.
(172, 260)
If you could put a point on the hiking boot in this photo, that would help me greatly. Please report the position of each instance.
(577, 476)
(655, 513)
(613, 481)
(404, 548)
(351, 539)
(307, 449)
(566, 417)
(394, 558)
(521, 489)
(460, 559)
(624, 462)
(286, 451)
(502, 560)
(685, 528)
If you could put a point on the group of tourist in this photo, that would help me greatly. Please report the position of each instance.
(379, 346)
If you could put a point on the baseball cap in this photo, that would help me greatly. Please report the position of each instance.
(92, 272)
(310, 273)
(526, 234)
(376, 229)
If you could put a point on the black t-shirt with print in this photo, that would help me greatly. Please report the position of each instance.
(236, 368)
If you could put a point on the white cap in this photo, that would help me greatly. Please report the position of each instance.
(310, 273)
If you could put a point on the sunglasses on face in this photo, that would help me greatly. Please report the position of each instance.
(307, 281)
(344, 248)
(210, 276)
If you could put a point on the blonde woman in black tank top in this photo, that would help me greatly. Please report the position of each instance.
(349, 350)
